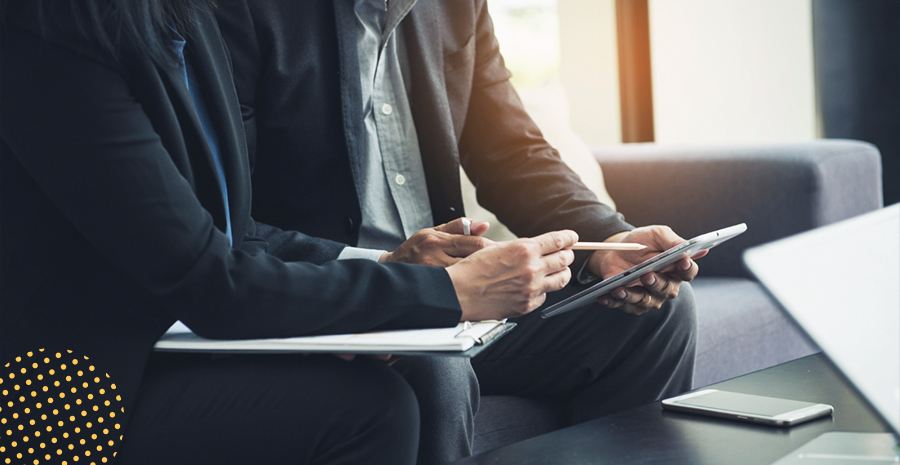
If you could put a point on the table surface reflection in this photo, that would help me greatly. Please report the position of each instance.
(649, 435)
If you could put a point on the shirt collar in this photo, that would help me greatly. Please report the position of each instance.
(394, 12)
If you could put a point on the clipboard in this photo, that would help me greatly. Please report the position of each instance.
(658, 262)
(464, 340)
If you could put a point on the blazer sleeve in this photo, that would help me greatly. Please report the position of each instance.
(520, 177)
(289, 246)
(87, 142)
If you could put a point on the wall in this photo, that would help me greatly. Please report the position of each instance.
(589, 68)
(730, 71)
(723, 70)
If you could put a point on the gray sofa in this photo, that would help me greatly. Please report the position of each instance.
(778, 190)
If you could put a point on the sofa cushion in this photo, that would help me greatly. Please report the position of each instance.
(741, 330)
(777, 189)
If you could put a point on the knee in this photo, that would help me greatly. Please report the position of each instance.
(443, 385)
(373, 416)
(681, 315)
(387, 397)
(683, 309)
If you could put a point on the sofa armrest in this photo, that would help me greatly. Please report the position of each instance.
(777, 189)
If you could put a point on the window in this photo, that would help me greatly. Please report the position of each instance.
(528, 32)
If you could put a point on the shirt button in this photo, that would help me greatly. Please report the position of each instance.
(387, 109)
(400, 179)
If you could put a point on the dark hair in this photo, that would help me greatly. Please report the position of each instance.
(126, 26)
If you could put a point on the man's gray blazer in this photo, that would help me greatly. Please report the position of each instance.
(297, 77)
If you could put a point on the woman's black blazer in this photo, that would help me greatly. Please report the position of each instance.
(111, 216)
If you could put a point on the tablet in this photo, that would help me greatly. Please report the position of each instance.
(658, 262)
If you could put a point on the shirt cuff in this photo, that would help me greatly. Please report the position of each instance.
(359, 252)
(584, 276)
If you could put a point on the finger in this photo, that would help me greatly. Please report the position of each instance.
(463, 246)
(653, 282)
(632, 295)
(666, 234)
(634, 309)
(453, 227)
(663, 289)
(612, 302)
(685, 269)
(557, 261)
(449, 260)
(555, 241)
(556, 281)
(660, 285)
(436, 257)
(381, 357)
(665, 238)
(608, 301)
(476, 228)
(347, 357)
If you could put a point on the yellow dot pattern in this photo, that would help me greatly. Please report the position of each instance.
(39, 390)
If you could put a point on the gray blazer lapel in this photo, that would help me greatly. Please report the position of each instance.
(431, 109)
(351, 95)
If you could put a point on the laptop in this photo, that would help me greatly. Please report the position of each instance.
(840, 284)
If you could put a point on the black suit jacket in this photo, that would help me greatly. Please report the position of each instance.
(112, 215)
(297, 77)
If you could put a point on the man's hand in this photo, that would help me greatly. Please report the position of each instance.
(441, 245)
(653, 289)
(510, 279)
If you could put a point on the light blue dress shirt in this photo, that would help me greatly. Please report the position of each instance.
(393, 193)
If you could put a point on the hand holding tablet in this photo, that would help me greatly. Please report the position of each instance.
(659, 262)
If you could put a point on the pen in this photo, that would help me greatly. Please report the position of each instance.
(607, 246)
(467, 223)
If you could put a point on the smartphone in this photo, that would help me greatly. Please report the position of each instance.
(747, 407)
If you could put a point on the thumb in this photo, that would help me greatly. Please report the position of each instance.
(665, 238)
(453, 227)
(478, 228)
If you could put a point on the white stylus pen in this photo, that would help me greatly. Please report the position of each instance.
(621, 246)
(466, 223)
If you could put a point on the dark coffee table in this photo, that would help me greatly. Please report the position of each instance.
(649, 435)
